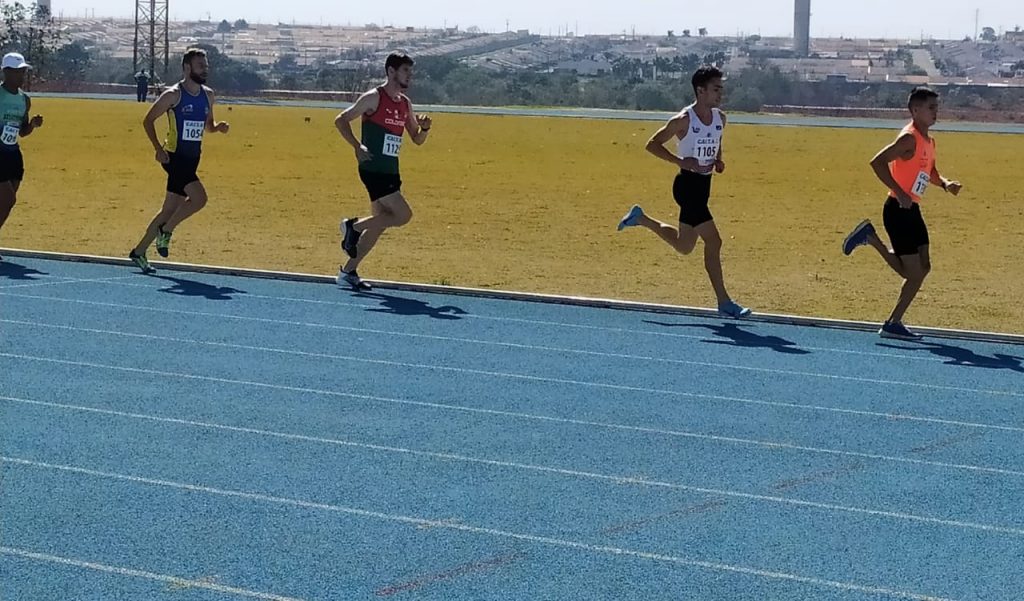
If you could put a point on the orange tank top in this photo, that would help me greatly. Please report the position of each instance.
(914, 175)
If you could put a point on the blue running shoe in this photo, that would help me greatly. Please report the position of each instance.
(858, 237)
(733, 309)
(898, 331)
(632, 217)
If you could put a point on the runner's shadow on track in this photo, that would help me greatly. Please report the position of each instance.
(398, 305)
(15, 271)
(957, 355)
(733, 335)
(183, 287)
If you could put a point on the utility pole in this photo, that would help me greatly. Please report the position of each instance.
(152, 44)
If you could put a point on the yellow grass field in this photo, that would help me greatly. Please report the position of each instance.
(531, 204)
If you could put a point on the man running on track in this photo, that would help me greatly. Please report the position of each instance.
(698, 131)
(189, 109)
(386, 115)
(907, 168)
(14, 110)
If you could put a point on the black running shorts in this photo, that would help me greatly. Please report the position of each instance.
(692, 191)
(906, 228)
(12, 166)
(379, 185)
(181, 171)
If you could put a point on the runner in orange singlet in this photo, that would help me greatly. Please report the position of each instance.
(907, 168)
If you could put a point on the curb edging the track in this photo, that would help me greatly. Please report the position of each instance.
(580, 301)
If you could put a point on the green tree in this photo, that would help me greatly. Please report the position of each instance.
(286, 63)
(32, 31)
(652, 97)
(435, 68)
(686, 64)
(71, 62)
(345, 80)
(749, 100)
(231, 75)
(291, 82)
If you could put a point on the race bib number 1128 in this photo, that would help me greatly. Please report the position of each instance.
(392, 145)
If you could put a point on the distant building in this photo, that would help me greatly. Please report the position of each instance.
(590, 68)
(802, 28)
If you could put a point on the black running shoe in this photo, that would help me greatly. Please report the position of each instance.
(353, 281)
(350, 238)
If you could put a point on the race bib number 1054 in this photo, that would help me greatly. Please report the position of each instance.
(193, 131)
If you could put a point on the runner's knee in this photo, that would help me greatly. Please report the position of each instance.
(402, 217)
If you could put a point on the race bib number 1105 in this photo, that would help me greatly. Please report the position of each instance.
(707, 151)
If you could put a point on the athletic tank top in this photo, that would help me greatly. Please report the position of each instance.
(13, 108)
(187, 123)
(382, 133)
(702, 141)
(915, 175)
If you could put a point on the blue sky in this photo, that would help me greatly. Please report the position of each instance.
(865, 18)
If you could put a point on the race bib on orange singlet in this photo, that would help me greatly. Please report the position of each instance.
(921, 184)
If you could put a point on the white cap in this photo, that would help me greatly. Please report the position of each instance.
(14, 60)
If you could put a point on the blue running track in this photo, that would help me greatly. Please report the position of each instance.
(192, 436)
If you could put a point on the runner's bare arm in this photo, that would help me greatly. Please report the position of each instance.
(29, 125)
(418, 126)
(904, 148)
(163, 104)
(669, 131)
(720, 161)
(365, 105)
(951, 186)
(212, 125)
